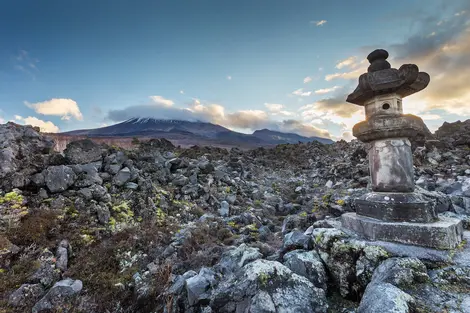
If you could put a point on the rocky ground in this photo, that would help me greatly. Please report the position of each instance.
(164, 229)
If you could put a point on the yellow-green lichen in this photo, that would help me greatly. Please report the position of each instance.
(263, 279)
(12, 198)
(160, 217)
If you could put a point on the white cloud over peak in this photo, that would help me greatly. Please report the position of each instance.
(65, 108)
(159, 100)
(45, 126)
(199, 110)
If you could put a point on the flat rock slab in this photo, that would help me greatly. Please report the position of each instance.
(445, 234)
(459, 256)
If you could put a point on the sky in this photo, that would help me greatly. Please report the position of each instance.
(244, 64)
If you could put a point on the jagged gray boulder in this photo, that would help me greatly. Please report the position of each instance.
(297, 240)
(234, 259)
(87, 174)
(22, 148)
(198, 287)
(309, 265)
(122, 177)
(59, 178)
(224, 209)
(26, 295)
(386, 298)
(82, 152)
(62, 255)
(58, 295)
(268, 286)
(386, 290)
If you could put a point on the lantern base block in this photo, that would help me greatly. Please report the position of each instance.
(396, 207)
(444, 234)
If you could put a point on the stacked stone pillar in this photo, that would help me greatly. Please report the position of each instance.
(392, 210)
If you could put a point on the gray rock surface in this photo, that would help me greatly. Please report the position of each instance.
(82, 151)
(58, 295)
(59, 178)
(122, 177)
(309, 265)
(266, 285)
(26, 295)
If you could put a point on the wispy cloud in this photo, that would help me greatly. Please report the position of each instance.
(327, 90)
(25, 63)
(159, 100)
(307, 79)
(229, 77)
(300, 92)
(319, 23)
(349, 62)
(277, 109)
(274, 107)
(347, 75)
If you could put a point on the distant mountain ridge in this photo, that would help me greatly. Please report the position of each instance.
(192, 132)
(275, 136)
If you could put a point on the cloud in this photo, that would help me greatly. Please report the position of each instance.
(294, 126)
(348, 136)
(66, 108)
(182, 92)
(229, 77)
(300, 92)
(274, 107)
(307, 79)
(251, 119)
(45, 126)
(319, 23)
(159, 100)
(445, 56)
(26, 64)
(349, 62)
(336, 106)
(327, 90)
(430, 117)
(277, 109)
(347, 75)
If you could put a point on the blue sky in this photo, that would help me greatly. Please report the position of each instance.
(245, 64)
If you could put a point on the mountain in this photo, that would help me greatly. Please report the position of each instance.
(278, 137)
(150, 126)
(187, 132)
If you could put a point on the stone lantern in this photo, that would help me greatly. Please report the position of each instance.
(393, 211)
